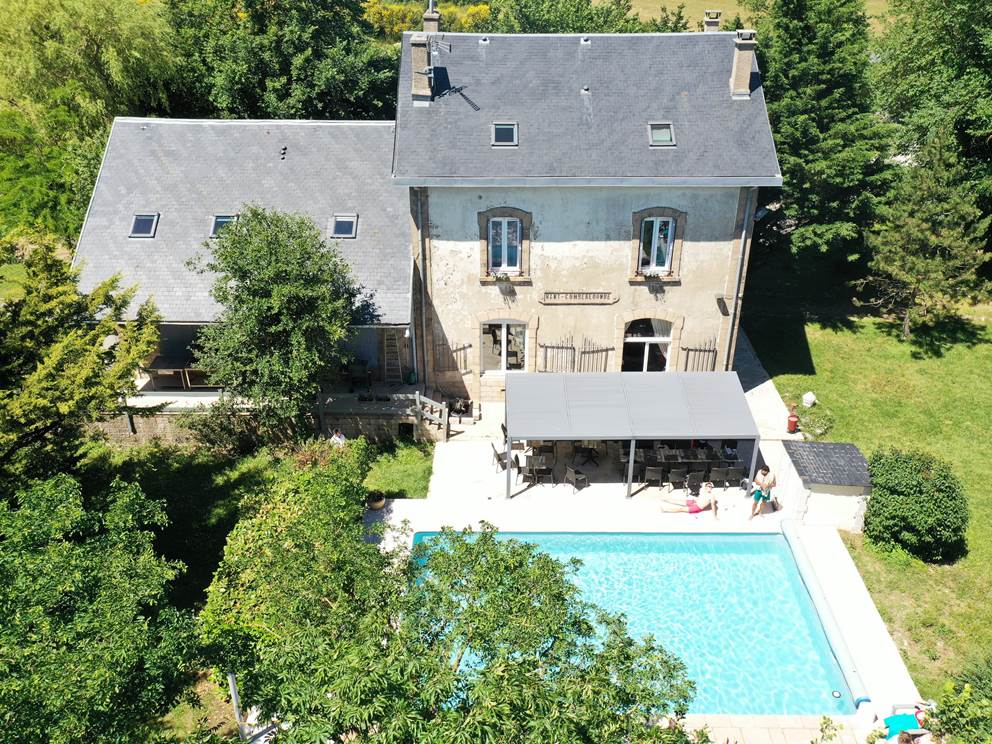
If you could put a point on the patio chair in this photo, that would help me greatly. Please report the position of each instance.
(676, 477)
(694, 482)
(577, 478)
(736, 477)
(654, 474)
(499, 458)
(525, 473)
(718, 477)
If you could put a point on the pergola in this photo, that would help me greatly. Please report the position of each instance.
(627, 406)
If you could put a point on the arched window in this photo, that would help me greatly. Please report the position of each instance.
(504, 346)
(645, 345)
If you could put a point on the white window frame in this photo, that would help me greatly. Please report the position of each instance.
(671, 129)
(213, 224)
(654, 268)
(154, 215)
(502, 356)
(516, 134)
(344, 216)
(503, 268)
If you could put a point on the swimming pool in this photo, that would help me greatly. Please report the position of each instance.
(733, 607)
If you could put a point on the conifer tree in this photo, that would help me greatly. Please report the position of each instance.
(831, 147)
(928, 246)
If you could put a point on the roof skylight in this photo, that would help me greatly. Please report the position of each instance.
(344, 226)
(144, 225)
(661, 134)
(504, 134)
(220, 222)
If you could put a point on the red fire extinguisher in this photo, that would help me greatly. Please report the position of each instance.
(793, 423)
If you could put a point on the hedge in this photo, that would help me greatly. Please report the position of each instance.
(918, 504)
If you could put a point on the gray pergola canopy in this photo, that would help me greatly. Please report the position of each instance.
(627, 406)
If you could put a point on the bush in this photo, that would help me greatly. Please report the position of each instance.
(961, 717)
(918, 504)
(224, 428)
(390, 20)
(978, 674)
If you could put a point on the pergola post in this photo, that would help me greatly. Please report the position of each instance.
(509, 447)
(754, 462)
(630, 467)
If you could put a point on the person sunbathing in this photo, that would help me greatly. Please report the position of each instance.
(692, 504)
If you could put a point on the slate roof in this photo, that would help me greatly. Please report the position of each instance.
(190, 170)
(829, 463)
(537, 80)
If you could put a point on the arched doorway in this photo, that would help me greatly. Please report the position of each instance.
(645, 345)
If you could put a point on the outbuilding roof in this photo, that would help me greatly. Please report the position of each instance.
(627, 405)
(188, 171)
(583, 104)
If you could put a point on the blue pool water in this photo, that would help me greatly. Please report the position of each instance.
(733, 607)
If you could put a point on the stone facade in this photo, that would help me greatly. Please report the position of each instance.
(579, 285)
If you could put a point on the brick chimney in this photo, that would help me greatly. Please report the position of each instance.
(432, 19)
(740, 76)
(420, 64)
(711, 20)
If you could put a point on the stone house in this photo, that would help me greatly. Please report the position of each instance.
(542, 203)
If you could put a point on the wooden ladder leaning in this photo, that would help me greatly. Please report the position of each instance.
(391, 359)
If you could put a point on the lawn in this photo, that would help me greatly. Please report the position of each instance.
(402, 470)
(11, 275)
(933, 394)
(694, 9)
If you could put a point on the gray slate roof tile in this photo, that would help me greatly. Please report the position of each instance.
(537, 81)
(188, 171)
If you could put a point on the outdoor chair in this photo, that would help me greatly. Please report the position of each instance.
(499, 458)
(577, 478)
(736, 478)
(676, 477)
(525, 473)
(652, 474)
(694, 482)
(718, 477)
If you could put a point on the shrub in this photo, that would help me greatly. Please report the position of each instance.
(390, 20)
(978, 674)
(961, 716)
(223, 428)
(918, 504)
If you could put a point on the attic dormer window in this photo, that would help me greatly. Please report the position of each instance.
(144, 225)
(661, 134)
(344, 226)
(504, 134)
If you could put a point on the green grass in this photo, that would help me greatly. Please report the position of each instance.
(694, 9)
(210, 710)
(11, 275)
(402, 470)
(931, 394)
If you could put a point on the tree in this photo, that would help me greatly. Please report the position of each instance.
(561, 17)
(928, 247)
(281, 59)
(103, 57)
(934, 76)
(477, 639)
(67, 359)
(831, 146)
(288, 301)
(89, 650)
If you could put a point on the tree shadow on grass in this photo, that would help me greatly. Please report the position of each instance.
(936, 339)
(202, 493)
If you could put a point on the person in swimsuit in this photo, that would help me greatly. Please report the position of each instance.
(761, 490)
(692, 505)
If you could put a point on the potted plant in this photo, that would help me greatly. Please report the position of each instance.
(376, 500)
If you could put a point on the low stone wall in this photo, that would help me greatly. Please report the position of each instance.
(382, 427)
(162, 427)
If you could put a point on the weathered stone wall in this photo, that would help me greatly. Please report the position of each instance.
(163, 427)
(580, 240)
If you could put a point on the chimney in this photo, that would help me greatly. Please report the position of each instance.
(420, 68)
(432, 19)
(740, 76)
(711, 20)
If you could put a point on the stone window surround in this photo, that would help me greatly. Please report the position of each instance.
(526, 223)
(674, 347)
(672, 276)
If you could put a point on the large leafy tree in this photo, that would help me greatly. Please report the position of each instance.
(89, 650)
(288, 301)
(934, 76)
(67, 359)
(831, 146)
(282, 59)
(482, 639)
(928, 247)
